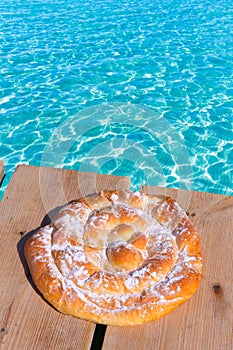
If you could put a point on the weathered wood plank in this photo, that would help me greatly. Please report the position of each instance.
(2, 171)
(205, 321)
(26, 320)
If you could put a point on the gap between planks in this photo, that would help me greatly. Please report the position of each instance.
(2, 172)
(98, 337)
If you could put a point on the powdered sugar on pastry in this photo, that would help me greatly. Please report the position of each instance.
(117, 257)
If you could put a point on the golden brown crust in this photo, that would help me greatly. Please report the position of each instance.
(119, 258)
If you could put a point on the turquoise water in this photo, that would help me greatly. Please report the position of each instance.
(62, 62)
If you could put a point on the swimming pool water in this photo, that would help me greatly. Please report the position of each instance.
(63, 62)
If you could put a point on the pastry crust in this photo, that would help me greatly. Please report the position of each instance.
(117, 257)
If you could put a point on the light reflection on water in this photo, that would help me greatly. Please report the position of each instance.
(59, 58)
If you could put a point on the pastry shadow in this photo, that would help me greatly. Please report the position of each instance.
(20, 250)
(48, 219)
(21, 244)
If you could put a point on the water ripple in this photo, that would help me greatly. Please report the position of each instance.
(59, 57)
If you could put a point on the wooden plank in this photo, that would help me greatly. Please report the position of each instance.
(26, 320)
(205, 321)
(2, 171)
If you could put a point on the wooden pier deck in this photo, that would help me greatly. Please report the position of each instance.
(28, 322)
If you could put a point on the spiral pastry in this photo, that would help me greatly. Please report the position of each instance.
(117, 258)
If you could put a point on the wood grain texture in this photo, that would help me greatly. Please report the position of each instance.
(2, 171)
(206, 320)
(26, 320)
